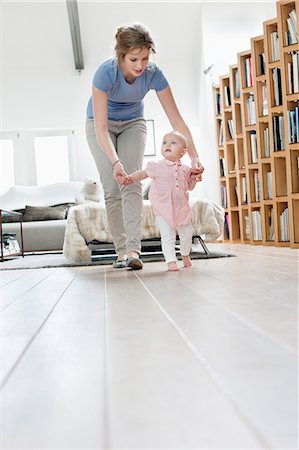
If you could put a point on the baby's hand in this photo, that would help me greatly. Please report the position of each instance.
(196, 174)
(128, 180)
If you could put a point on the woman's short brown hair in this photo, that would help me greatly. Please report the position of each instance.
(132, 36)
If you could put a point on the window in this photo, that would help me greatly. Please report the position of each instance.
(52, 159)
(150, 149)
(7, 172)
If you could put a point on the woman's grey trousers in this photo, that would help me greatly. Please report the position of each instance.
(123, 203)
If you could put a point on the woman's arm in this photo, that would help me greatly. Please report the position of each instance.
(100, 111)
(168, 103)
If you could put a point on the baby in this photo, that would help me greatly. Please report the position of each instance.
(171, 181)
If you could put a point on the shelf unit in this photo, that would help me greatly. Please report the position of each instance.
(262, 170)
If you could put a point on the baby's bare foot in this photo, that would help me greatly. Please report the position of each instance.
(186, 261)
(172, 266)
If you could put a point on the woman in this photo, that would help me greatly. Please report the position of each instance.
(116, 133)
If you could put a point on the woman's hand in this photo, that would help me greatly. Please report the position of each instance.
(196, 169)
(119, 173)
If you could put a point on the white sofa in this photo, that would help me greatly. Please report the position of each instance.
(86, 223)
(41, 235)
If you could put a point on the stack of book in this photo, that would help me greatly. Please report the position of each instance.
(292, 32)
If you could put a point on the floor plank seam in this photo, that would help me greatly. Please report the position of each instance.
(26, 292)
(29, 343)
(210, 371)
(16, 279)
(242, 320)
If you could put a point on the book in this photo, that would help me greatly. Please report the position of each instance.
(275, 46)
(266, 143)
(269, 184)
(244, 191)
(253, 147)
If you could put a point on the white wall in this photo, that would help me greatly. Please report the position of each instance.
(41, 88)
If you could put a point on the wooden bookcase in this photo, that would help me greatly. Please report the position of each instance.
(261, 166)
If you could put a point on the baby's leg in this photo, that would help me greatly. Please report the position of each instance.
(168, 236)
(185, 234)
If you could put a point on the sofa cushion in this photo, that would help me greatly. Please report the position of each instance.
(33, 213)
(12, 218)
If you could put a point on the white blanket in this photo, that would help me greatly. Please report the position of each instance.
(88, 222)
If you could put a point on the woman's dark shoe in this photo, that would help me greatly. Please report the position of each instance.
(134, 263)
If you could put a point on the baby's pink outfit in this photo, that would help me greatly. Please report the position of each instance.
(170, 201)
(168, 192)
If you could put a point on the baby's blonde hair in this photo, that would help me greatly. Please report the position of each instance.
(180, 135)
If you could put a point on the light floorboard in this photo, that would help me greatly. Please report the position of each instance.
(206, 358)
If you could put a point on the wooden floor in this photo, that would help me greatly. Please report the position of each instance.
(206, 358)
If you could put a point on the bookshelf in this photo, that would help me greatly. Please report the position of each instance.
(260, 102)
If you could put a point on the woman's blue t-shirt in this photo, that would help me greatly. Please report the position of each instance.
(125, 101)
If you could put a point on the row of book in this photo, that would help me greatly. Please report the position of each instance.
(278, 133)
(277, 86)
(293, 128)
(292, 31)
(250, 110)
(257, 225)
(293, 74)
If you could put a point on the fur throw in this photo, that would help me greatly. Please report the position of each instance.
(88, 222)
